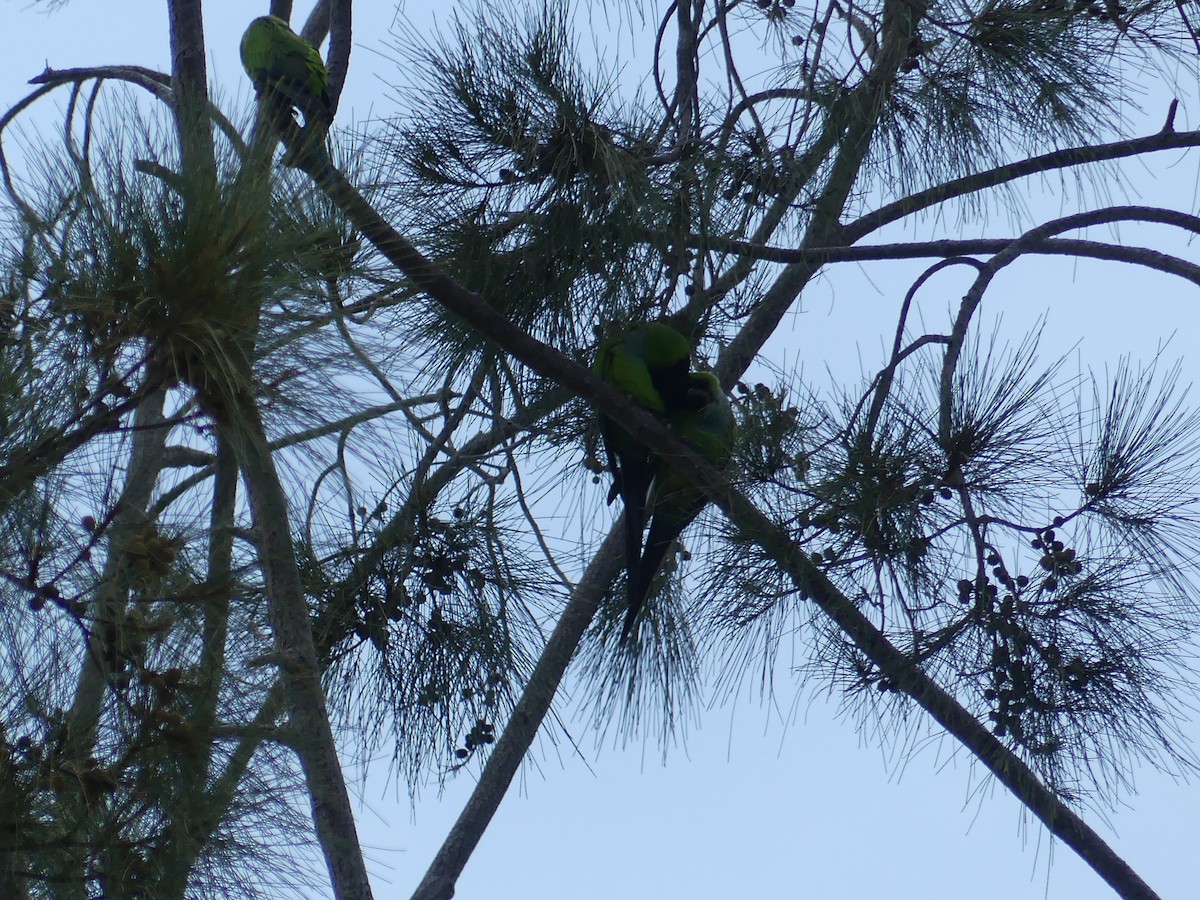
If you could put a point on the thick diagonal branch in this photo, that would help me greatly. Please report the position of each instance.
(650, 431)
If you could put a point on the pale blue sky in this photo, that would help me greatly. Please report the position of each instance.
(747, 808)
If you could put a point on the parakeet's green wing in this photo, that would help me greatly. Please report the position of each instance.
(706, 422)
(282, 63)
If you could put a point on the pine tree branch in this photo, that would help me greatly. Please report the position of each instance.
(189, 83)
(145, 463)
(853, 121)
(1032, 238)
(335, 620)
(220, 797)
(891, 662)
(1167, 139)
(156, 83)
(894, 665)
(308, 715)
(24, 466)
(193, 817)
(687, 73)
(107, 608)
(820, 256)
(523, 724)
(340, 42)
(316, 26)
(651, 432)
(187, 456)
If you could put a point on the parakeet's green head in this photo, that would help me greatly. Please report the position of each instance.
(649, 362)
(704, 389)
(271, 22)
(664, 346)
(668, 358)
(706, 418)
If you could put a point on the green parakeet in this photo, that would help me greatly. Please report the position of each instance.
(650, 363)
(287, 71)
(705, 420)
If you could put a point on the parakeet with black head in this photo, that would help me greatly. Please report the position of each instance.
(287, 72)
(650, 363)
(705, 420)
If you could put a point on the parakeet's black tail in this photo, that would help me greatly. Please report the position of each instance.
(630, 618)
(634, 486)
(633, 545)
(658, 544)
(631, 614)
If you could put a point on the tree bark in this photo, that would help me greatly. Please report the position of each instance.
(309, 728)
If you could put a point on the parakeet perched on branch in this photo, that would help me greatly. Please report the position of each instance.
(650, 363)
(287, 71)
(705, 420)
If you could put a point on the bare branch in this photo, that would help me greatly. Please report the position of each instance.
(523, 724)
(340, 43)
(189, 80)
(1017, 248)
(971, 184)
(648, 430)
(1142, 256)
